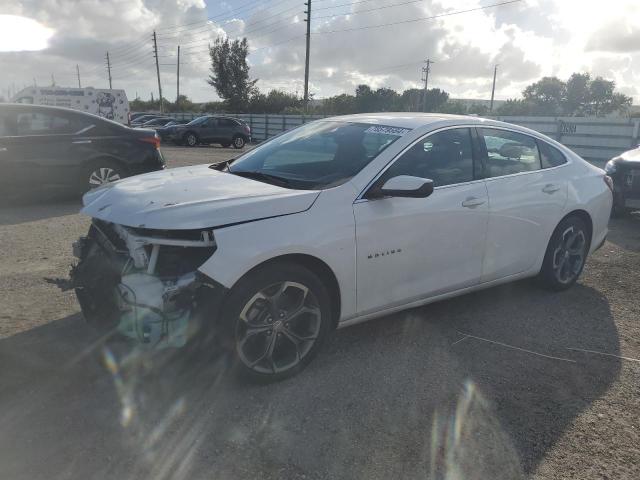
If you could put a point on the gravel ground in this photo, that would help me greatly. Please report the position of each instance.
(512, 382)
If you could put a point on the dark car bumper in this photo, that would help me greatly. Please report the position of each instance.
(626, 185)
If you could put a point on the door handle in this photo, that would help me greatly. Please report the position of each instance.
(472, 202)
(81, 141)
(550, 188)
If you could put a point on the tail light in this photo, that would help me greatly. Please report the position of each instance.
(155, 140)
(608, 180)
(247, 128)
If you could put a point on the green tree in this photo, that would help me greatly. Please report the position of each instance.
(546, 95)
(515, 106)
(455, 107)
(577, 94)
(230, 73)
(276, 101)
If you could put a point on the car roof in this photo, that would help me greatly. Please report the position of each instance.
(413, 119)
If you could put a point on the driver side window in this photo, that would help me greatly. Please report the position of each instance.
(444, 157)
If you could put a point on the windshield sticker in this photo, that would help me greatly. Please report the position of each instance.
(387, 130)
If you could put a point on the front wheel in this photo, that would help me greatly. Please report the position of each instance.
(190, 139)
(238, 142)
(277, 318)
(566, 254)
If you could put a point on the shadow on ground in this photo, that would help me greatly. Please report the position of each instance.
(29, 207)
(407, 396)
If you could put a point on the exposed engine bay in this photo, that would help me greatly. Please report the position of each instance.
(142, 282)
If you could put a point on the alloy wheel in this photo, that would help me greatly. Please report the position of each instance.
(102, 175)
(569, 255)
(191, 140)
(238, 142)
(278, 327)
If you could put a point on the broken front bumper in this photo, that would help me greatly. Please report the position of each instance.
(144, 283)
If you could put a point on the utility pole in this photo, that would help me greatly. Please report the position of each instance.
(493, 89)
(78, 73)
(53, 80)
(306, 61)
(109, 70)
(425, 73)
(178, 82)
(155, 54)
(35, 84)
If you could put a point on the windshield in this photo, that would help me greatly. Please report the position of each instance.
(317, 155)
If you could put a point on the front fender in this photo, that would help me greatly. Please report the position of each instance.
(331, 240)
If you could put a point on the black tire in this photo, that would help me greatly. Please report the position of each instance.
(262, 332)
(190, 139)
(238, 142)
(225, 144)
(566, 255)
(99, 172)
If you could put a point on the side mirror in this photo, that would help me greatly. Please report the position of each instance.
(403, 186)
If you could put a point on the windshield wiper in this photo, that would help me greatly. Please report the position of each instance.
(261, 176)
(222, 166)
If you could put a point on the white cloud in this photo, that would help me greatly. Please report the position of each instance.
(22, 34)
(528, 39)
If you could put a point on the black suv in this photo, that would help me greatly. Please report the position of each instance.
(211, 129)
(58, 147)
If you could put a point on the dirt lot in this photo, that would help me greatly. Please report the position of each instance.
(512, 382)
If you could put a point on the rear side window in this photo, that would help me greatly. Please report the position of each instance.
(550, 156)
(444, 157)
(44, 123)
(226, 122)
(509, 152)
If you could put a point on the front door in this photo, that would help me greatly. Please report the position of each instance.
(412, 248)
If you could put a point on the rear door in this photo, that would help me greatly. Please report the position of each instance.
(40, 150)
(526, 202)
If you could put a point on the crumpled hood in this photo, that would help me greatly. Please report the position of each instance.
(190, 198)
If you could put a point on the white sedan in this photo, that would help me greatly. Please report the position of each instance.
(338, 221)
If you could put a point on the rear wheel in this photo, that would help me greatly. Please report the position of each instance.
(566, 254)
(277, 319)
(238, 141)
(101, 172)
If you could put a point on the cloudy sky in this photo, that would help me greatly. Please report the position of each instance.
(380, 42)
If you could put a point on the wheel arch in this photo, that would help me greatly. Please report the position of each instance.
(96, 159)
(318, 267)
(584, 216)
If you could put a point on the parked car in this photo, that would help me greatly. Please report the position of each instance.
(211, 129)
(335, 222)
(163, 132)
(625, 172)
(135, 115)
(157, 122)
(144, 119)
(58, 147)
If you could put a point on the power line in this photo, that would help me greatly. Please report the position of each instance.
(412, 20)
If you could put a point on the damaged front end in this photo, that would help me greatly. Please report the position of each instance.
(144, 283)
